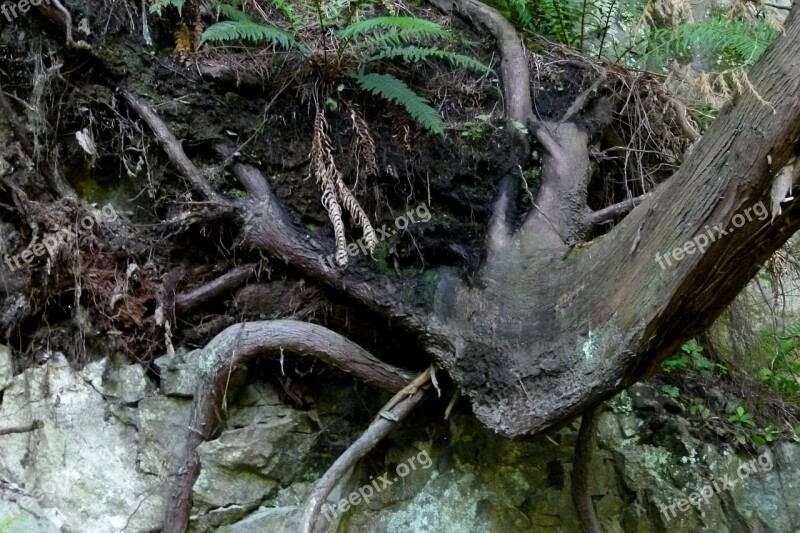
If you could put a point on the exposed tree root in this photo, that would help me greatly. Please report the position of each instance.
(170, 144)
(236, 346)
(581, 465)
(580, 102)
(394, 411)
(682, 115)
(189, 300)
(29, 147)
(253, 180)
(16, 126)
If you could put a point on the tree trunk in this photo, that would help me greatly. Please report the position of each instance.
(547, 330)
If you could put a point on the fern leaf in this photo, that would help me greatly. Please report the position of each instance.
(159, 6)
(247, 30)
(390, 88)
(415, 54)
(406, 28)
(232, 13)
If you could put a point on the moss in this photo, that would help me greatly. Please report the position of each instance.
(380, 258)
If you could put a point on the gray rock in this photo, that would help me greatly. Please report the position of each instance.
(80, 463)
(277, 520)
(127, 384)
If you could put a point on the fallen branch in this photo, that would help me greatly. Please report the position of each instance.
(584, 449)
(239, 344)
(395, 410)
(600, 216)
(171, 145)
(36, 424)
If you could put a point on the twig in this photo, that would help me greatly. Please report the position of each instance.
(380, 427)
(681, 114)
(36, 424)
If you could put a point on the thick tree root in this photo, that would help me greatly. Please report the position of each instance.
(394, 411)
(584, 449)
(240, 344)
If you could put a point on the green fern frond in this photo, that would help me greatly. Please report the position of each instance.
(397, 92)
(247, 30)
(744, 40)
(158, 6)
(415, 54)
(232, 12)
(404, 28)
(286, 9)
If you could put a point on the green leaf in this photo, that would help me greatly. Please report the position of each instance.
(392, 89)
(671, 390)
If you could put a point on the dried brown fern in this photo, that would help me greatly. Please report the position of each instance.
(183, 40)
(334, 191)
(364, 145)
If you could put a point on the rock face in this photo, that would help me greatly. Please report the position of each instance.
(102, 463)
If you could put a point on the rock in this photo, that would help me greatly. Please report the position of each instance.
(81, 461)
(21, 513)
(128, 384)
(275, 520)
(179, 373)
(6, 366)
(162, 423)
(243, 466)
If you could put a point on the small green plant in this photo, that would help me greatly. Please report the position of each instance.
(795, 433)
(362, 44)
(671, 390)
(679, 361)
(771, 434)
(691, 348)
(741, 417)
(700, 410)
(475, 129)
